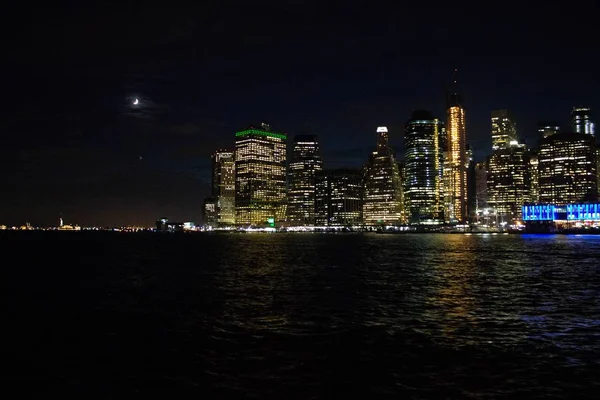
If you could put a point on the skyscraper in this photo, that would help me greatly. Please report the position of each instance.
(507, 183)
(598, 169)
(457, 173)
(567, 169)
(304, 164)
(210, 213)
(581, 121)
(481, 196)
(260, 159)
(339, 197)
(382, 201)
(223, 186)
(423, 163)
(534, 181)
(503, 129)
(471, 184)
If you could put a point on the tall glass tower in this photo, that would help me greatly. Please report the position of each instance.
(504, 129)
(304, 164)
(457, 153)
(581, 121)
(382, 201)
(260, 157)
(423, 168)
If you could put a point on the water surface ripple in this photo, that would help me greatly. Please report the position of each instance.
(301, 316)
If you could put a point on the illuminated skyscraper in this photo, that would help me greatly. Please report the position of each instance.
(471, 184)
(567, 169)
(534, 180)
(457, 173)
(260, 158)
(581, 121)
(382, 201)
(223, 186)
(402, 179)
(503, 129)
(508, 183)
(210, 213)
(423, 168)
(598, 169)
(339, 197)
(546, 129)
(446, 194)
(304, 164)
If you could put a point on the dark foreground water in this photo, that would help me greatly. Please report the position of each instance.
(299, 316)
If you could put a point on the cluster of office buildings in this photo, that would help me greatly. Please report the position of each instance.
(563, 171)
(261, 184)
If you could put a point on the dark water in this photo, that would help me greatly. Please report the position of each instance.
(300, 316)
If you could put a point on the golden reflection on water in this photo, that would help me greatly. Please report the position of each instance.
(452, 301)
(452, 288)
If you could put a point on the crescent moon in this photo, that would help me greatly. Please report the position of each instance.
(136, 101)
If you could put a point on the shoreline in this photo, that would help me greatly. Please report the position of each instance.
(226, 232)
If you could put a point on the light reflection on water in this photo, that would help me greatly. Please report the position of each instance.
(457, 289)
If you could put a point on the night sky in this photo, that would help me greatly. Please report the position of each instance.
(73, 143)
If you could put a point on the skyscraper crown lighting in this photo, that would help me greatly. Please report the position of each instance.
(581, 121)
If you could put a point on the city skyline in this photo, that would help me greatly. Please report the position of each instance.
(74, 142)
(223, 192)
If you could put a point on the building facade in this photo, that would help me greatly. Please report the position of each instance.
(534, 178)
(423, 169)
(305, 163)
(223, 186)
(581, 121)
(567, 169)
(260, 176)
(598, 170)
(338, 199)
(481, 196)
(471, 185)
(209, 212)
(574, 217)
(504, 129)
(507, 182)
(383, 200)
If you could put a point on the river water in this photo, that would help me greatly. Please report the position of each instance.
(300, 316)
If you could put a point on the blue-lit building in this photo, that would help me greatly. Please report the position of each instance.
(556, 217)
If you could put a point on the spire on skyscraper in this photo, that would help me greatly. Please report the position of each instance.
(452, 96)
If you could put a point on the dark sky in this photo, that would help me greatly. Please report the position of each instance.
(71, 140)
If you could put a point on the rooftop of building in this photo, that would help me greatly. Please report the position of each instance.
(305, 138)
(568, 136)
